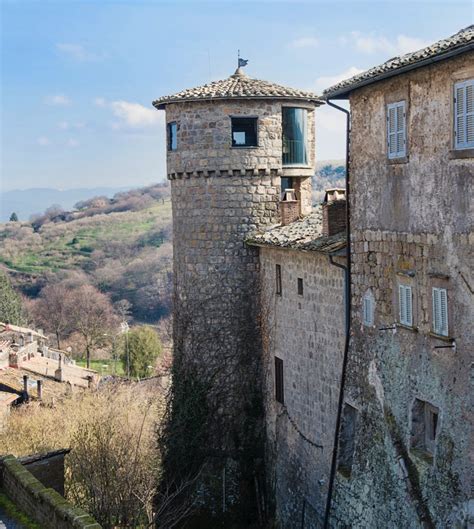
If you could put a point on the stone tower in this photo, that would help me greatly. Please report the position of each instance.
(233, 148)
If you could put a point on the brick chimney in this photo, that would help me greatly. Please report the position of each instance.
(289, 207)
(334, 211)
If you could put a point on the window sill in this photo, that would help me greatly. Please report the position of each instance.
(448, 339)
(245, 146)
(398, 161)
(296, 166)
(459, 154)
(407, 327)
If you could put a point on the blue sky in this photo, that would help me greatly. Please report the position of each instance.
(78, 77)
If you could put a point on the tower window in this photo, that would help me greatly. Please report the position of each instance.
(294, 136)
(424, 426)
(279, 388)
(244, 132)
(172, 136)
(300, 286)
(347, 440)
(278, 280)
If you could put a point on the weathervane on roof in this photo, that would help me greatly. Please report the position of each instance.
(241, 62)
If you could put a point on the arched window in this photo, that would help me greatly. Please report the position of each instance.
(368, 308)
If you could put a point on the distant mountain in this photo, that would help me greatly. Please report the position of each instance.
(25, 202)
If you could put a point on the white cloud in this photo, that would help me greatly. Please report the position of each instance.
(57, 100)
(79, 53)
(43, 141)
(135, 115)
(329, 80)
(71, 142)
(66, 125)
(373, 43)
(305, 42)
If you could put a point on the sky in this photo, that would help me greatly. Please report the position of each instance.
(78, 77)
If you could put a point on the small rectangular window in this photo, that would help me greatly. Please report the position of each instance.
(368, 310)
(440, 311)
(464, 115)
(396, 130)
(172, 136)
(347, 440)
(278, 279)
(300, 286)
(279, 387)
(244, 132)
(286, 183)
(405, 305)
(424, 426)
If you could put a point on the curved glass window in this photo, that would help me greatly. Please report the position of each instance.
(294, 136)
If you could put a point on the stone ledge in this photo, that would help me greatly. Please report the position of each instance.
(40, 503)
(254, 171)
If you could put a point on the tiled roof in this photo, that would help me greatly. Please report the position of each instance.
(458, 43)
(237, 86)
(304, 234)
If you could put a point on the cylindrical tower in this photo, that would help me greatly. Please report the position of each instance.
(234, 147)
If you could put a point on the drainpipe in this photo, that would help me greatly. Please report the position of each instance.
(347, 270)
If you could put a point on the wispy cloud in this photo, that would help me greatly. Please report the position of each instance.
(329, 80)
(43, 141)
(304, 42)
(130, 115)
(373, 43)
(67, 125)
(71, 142)
(79, 53)
(59, 100)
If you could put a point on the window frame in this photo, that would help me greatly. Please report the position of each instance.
(300, 286)
(306, 162)
(171, 136)
(402, 306)
(279, 381)
(368, 297)
(436, 329)
(460, 146)
(397, 154)
(256, 126)
(278, 281)
(424, 427)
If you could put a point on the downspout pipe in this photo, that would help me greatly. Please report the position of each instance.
(347, 267)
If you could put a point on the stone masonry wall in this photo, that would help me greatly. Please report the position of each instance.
(307, 333)
(44, 505)
(412, 224)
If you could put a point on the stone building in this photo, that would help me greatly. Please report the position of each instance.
(233, 147)
(406, 422)
(303, 341)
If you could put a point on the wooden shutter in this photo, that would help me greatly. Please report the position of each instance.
(440, 311)
(409, 306)
(464, 114)
(405, 305)
(368, 310)
(396, 130)
(391, 131)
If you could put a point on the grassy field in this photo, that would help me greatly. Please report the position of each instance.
(68, 245)
(104, 367)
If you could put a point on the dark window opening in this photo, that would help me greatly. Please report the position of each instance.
(286, 183)
(347, 440)
(278, 279)
(424, 427)
(172, 136)
(294, 136)
(300, 286)
(244, 132)
(279, 388)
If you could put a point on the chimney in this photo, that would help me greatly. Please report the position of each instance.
(334, 211)
(39, 386)
(25, 386)
(289, 207)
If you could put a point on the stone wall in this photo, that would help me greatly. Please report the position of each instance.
(43, 505)
(412, 224)
(47, 468)
(307, 333)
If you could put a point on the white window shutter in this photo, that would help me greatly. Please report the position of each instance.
(368, 310)
(401, 129)
(401, 303)
(396, 130)
(440, 311)
(464, 115)
(391, 131)
(436, 311)
(409, 311)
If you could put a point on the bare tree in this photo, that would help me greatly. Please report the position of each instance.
(52, 310)
(92, 316)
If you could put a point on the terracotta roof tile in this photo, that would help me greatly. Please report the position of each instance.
(461, 41)
(237, 86)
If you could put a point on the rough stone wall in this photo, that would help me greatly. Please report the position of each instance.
(412, 223)
(43, 505)
(307, 333)
(219, 195)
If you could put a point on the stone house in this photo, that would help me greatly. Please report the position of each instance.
(406, 421)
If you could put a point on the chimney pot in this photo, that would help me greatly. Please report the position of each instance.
(334, 211)
(289, 207)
